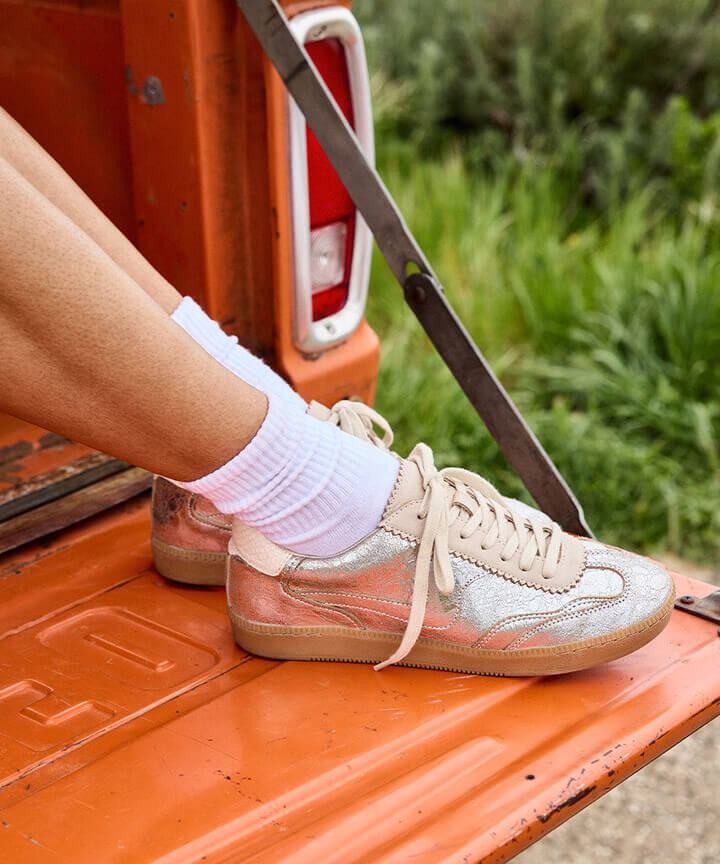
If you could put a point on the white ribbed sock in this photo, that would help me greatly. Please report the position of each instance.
(303, 483)
(226, 350)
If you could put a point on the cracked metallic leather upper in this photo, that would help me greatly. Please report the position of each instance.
(372, 583)
(508, 581)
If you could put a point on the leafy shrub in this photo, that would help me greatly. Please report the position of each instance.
(636, 81)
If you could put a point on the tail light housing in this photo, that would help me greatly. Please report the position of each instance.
(332, 245)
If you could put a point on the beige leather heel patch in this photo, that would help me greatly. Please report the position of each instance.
(259, 552)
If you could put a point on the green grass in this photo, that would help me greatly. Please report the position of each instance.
(605, 328)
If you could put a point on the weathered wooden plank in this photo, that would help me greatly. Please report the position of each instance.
(67, 478)
(73, 507)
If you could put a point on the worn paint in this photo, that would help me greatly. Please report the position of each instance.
(152, 91)
(131, 85)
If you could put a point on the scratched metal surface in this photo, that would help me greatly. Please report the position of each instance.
(132, 729)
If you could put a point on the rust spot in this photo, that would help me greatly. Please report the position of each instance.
(13, 452)
(20, 449)
(52, 440)
(569, 802)
(152, 91)
(43, 552)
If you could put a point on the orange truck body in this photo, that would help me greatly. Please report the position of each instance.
(132, 728)
(196, 175)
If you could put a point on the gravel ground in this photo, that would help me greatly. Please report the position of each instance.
(667, 813)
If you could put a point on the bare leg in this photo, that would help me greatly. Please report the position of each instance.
(28, 158)
(87, 353)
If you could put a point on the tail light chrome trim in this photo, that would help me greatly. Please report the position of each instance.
(310, 336)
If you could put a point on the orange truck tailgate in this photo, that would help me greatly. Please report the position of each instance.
(132, 729)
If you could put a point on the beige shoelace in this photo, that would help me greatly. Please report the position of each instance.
(360, 420)
(448, 493)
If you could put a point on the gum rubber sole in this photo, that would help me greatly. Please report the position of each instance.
(335, 642)
(190, 566)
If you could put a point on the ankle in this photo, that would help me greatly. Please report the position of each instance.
(303, 483)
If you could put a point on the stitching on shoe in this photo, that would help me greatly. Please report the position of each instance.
(401, 620)
(356, 596)
(318, 604)
(567, 616)
(545, 618)
(499, 625)
(548, 589)
(458, 610)
(520, 640)
(205, 522)
(378, 612)
(465, 650)
(394, 491)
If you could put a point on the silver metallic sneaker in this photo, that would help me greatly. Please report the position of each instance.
(453, 578)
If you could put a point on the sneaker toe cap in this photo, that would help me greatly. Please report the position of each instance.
(647, 587)
(618, 593)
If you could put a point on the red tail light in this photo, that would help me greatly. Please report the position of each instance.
(332, 244)
(332, 212)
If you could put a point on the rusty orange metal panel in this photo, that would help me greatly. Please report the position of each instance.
(133, 730)
(162, 108)
(62, 78)
(28, 452)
